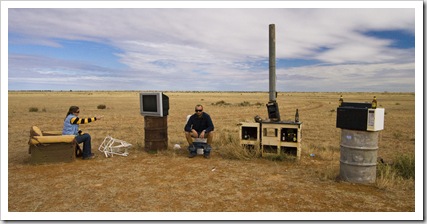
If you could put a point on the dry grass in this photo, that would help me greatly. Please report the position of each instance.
(234, 179)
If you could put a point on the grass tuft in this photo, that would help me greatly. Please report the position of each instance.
(33, 109)
(229, 147)
(220, 103)
(404, 166)
(391, 174)
(244, 104)
(386, 177)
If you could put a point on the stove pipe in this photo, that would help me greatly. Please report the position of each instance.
(272, 107)
(272, 63)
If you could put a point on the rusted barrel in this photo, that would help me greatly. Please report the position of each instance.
(156, 133)
(358, 159)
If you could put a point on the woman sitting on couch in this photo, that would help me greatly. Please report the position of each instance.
(71, 127)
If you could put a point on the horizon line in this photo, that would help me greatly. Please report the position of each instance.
(207, 91)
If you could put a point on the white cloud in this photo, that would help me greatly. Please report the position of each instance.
(348, 77)
(220, 45)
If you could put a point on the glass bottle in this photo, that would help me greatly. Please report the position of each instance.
(340, 101)
(246, 136)
(374, 103)
(296, 116)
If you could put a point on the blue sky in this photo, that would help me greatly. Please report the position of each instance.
(212, 49)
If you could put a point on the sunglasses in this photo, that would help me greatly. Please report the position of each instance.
(198, 110)
(77, 112)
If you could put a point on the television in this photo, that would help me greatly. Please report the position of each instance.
(155, 104)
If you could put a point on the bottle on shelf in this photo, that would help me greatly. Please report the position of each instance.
(340, 101)
(374, 103)
(296, 116)
(246, 136)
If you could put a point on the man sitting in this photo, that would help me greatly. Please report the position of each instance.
(199, 125)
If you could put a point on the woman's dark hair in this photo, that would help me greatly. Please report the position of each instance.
(72, 110)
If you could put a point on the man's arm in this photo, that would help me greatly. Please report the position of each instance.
(189, 125)
(210, 124)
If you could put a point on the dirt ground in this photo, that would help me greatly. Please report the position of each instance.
(168, 181)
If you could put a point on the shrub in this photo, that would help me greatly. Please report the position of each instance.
(404, 166)
(220, 103)
(392, 174)
(244, 104)
(386, 177)
(33, 109)
(229, 147)
(101, 106)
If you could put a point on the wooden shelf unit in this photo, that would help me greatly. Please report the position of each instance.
(273, 138)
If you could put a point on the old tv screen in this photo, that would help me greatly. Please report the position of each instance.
(149, 103)
(154, 104)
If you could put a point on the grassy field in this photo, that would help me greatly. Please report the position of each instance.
(231, 181)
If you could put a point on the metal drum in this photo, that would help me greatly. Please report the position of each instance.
(156, 133)
(358, 160)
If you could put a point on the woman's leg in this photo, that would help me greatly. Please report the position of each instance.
(87, 148)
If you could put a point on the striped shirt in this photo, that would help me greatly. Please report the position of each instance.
(71, 124)
(77, 120)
